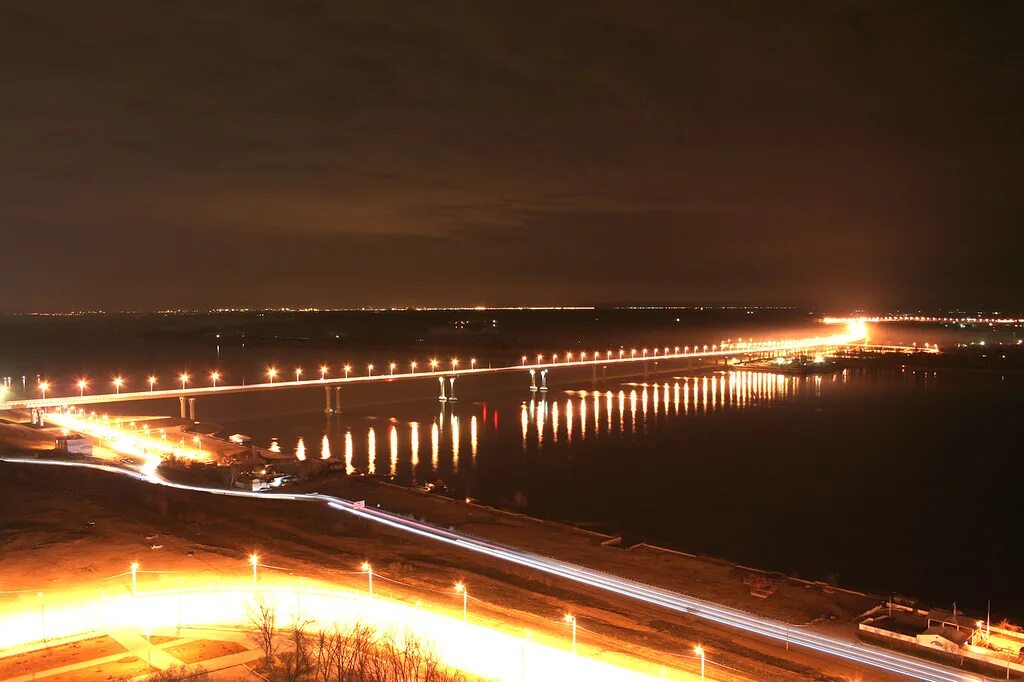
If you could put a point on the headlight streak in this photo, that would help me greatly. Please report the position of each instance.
(735, 618)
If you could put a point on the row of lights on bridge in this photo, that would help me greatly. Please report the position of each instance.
(273, 373)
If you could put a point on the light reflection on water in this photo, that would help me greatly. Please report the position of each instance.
(558, 422)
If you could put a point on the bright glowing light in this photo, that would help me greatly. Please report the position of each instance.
(347, 369)
(412, 366)
(152, 381)
(472, 363)
(272, 374)
(183, 378)
(82, 385)
(118, 383)
(391, 367)
(455, 363)
(369, 370)
(215, 377)
(323, 372)
(433, 364)
(298, 373)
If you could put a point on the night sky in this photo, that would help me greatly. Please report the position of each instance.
(206, 154)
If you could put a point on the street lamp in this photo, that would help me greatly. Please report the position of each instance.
(699, 650)
(433, 364)
(323, 372)
(118, 383)
(272, 374)
(524, 359)
(183, 378)
(412, 366)
(298, 373)
(82, 385)
(455, 363)
(135, 578)
(472, 363)
(571, 619)
(347, 368)
(215, 377)
(368, 569)
(460, 588)
(152, 382)
(254, 559)
(44, 386)
(391, 367)
(539, 358)
(369, 370)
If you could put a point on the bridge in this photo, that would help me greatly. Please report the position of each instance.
(537, 370)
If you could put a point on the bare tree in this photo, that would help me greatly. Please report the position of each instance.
(264, 633)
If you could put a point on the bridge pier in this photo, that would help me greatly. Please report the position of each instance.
(543, 380)
(328, 407)
(192, 409)
(451, 389)
(183, 404)
(442, 397)
(337, 399)
(533, 381)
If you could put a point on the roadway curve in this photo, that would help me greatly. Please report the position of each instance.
(852, 651)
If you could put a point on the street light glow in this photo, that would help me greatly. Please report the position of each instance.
(215, 377)
(183, 378)
(272, 374)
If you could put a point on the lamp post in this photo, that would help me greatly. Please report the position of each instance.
(82, 385)
(369, 370)
(42, 616)
(368, 569)
(118, 383)
(183, 378)
(215, 377)
(472, 363)
(455, 364)
(254, 559)
(699, 650)
(571, 620)
(460, 588)
(412, 367)
(391, 368)
(298, 374)
(323, 372)
(347, 368)
(152, 382)
(433, 364)
(272, 374)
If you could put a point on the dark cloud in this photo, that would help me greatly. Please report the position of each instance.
(255, 153)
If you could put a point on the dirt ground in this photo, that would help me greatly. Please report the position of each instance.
(62, 525)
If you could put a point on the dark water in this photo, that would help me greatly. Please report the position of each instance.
(886, 480)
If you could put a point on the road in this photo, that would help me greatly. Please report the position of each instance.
(856, 332)
(733, 618)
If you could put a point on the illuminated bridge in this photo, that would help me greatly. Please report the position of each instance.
(537, 368)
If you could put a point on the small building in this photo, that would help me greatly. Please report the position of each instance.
(73, 444)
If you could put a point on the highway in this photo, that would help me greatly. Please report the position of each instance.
(855, 332)
(856, 652)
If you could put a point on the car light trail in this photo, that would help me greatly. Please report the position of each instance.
(483, 651)
(673, 601)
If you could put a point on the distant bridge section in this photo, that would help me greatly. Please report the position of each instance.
(188, 395)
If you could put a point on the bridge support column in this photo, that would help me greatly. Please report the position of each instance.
(327, 400)
(337, 399)
(192, 409)
(543, 380)
(451, 389)
(182, 400)
(442, 397)
(533, 380)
